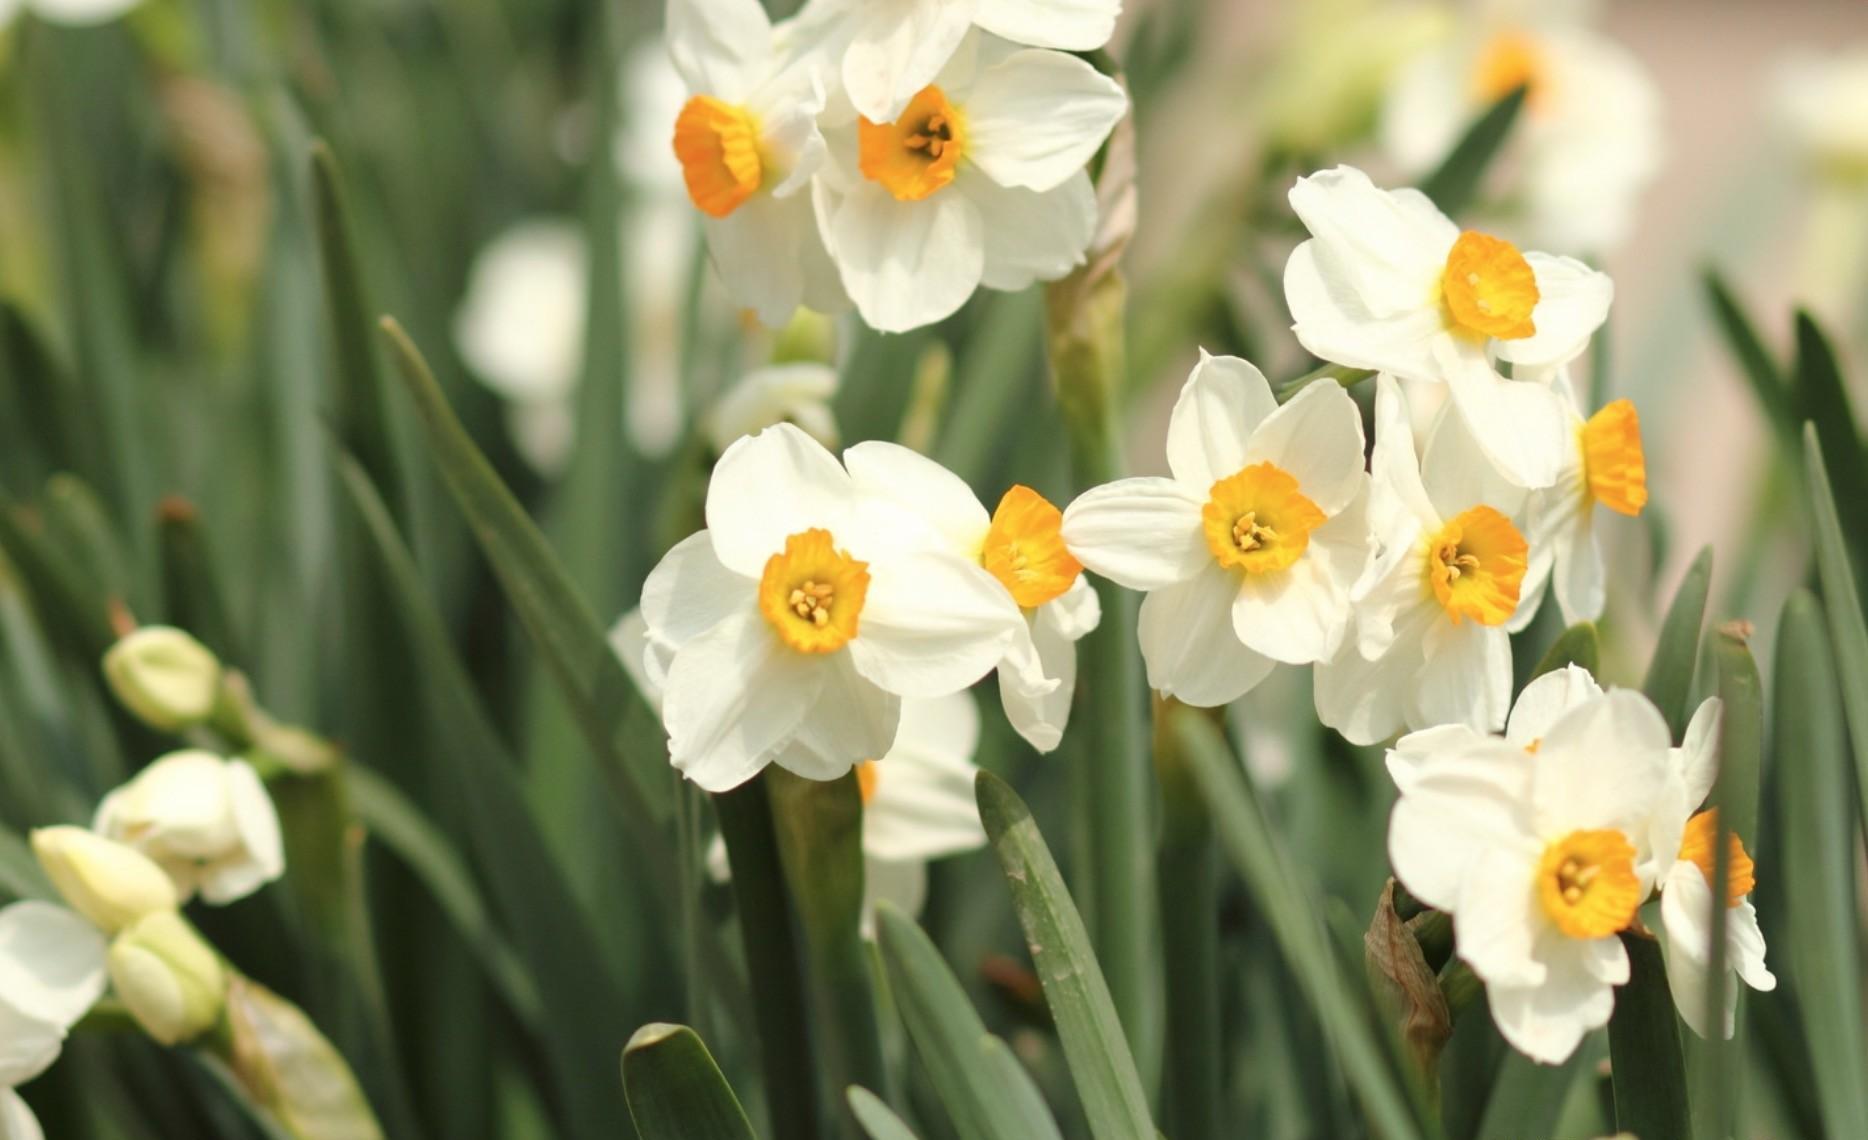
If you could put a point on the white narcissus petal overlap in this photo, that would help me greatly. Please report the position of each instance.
(899, 47)
(51, 962)
(1037, 117)
(1686, 913)
(940, 498)
(1188, 643)
(1221, 405)
(933, 623)
(767, 487)
(1069, 25)
(735, 696)
(1546, 700)
(205, 819)
(1032, 236)
(719, 47)
(1142, 532)
(908, 264)
(16, 1120)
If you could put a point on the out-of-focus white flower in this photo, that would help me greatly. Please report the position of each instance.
(1604, 467)
(164, 676)
(892, 49)
(1021, 545)
(1541, 852)
(1588, 142)
(1822, 100)
(520, 329)
(1335, 60)
(780, 393)
(51, 972)
(1435, 606)
(749, 145)
(979, 181)
(1250, 550)
(205, 820)
(170, 979)
(105, 881)
(801, 616)
(66, 12)
(1387, 282)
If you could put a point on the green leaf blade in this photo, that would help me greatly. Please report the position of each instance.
(676, 1091)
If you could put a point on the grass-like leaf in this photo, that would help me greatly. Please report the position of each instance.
(676, 1091)
(1578, 645)
(1760, 370)
(1648, 1070)
(1107, 1083)
(1823, 400)
(1848, 634)
(876, 1117)
(1455, 183)
(1669, 681)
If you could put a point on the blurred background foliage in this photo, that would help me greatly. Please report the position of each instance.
(200, 424)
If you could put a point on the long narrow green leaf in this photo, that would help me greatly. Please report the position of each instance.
(1094, 1044)
(1848, 634)
(1527, 1098)
(676, 1092)
(1823, 400)
(1644, 1050)
(1816, 835)
(1187, 874)
(1577, 645)
(1669, 682)
(876, 1117)
(1454, 184)
(1754, 359)
(985, 1099)
(1307, 951)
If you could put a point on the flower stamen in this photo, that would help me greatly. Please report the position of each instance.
(918, 153)
(1587, 885)
(812, 593)
(1475, 566)
(1258, 520)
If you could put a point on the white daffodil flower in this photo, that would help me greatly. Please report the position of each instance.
(1541, 853)
(802, 614)
(1587, 143)
(1249, 551)
(1021, 546)
(51, 973)
(780, 393)
(1822, 101)
(979, 181)
(748, 143)
(892, 49)
(1434, 609)
(1606, 467)
(207, 821)
(1387, 282)
(520, 330)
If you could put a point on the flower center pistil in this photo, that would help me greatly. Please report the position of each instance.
(1488, 288)
(812, 593)
(1587, 885)
(718, 145)
(1024, 549)
(918, 153)
(1475, 566)
(1614, 465)
(1258, 520)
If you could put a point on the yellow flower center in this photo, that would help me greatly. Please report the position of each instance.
(1475, 566)
(718, 145)
(916, 154)
(813, 593)
(1613, 463)
(1257, 520)
(1510, 61)
(1025, 551)
(1702, 840)
(1587, 885)
(1489, 288)
(868, 773)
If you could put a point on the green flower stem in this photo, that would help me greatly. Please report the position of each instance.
(1084, 320)
(819, 828)
(1186, 870)
(772, 965)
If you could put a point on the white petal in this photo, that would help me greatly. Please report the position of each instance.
(766, 488)
(908, 264)
(852, 721)
(1466, 677)
(1189, 646)
(16, 1120)
(1546, 700)
(1745, 942)
(1457, 469)
(1519, 425)
(932, 624)
(1070, 25)
(1037, 117)
(1461, 803)
(1076, 612)
(1697, 758)
(736, 695)
(899, 47)
(1223, 401)
(1298, 615)
(1363, 698)
(1317, 437)
(28, 1046)
(1573, 302)
(51, 962)
(1413, 755)
(1580, 579)
(1398, 497)
(261, 855)
(1331, 321)
(923, 807)
(1686, 913)
(948, 725)
(1382, 247)
(1497, 921)
(718, 45)
(1602, 765)
(1032, 236)
(1041, 713)
(758, 252)
(1143, 532)
(1427, 106)
(899, 475)
(1547, 1022)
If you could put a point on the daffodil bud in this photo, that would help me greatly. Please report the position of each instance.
(171, 980)
(205, 820)
(166, 678)
(106, 882)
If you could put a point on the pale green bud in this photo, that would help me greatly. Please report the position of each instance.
(106, 882)
(169, 977)
(166, 678)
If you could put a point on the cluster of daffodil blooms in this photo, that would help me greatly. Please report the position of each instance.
(835, 609)
(190, 824)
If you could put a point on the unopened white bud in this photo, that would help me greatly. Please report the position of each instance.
(171, 980)
(106, 882)
(205, 820)
(165, 677)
